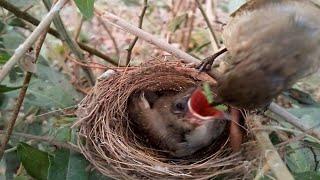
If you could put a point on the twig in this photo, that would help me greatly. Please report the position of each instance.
(27, 17)
(115, 20)
(215, 43)
(277, 166)
(22, 49)
(261, 172)
(78, 29)
(291, 140)
(115, 44)
(75, 70)
(191, 24)
(298, 123)
(20, 14)
(133, 43)
(94, 51)
(289, 130)
(100, 66)
(63, 33)
(74, 47)
(24, 10)
(46, 139)
(22, 94)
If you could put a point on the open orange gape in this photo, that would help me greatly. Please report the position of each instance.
(117, 146)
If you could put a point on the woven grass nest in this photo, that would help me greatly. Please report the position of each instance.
(113, 147)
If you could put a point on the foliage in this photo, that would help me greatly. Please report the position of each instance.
(85, 7)
(36, 162)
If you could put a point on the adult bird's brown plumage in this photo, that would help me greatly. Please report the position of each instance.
(271, 45)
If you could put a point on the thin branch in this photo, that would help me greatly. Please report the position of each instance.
(22, 49)
(22, 14)
(215, 43)
(277, 166)
(298, 123)
(74, 47)
(115, 20)
(190, 29)
(27, 17)
(78, 29)
(176, 5)
(98, 53)
(22, 94)
(46, 139)
(133, 43)
(98, 66)
(63, 32)
(115, 44)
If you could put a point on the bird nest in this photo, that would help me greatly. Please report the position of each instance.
(110, 142)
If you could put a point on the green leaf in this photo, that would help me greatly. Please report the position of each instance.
(208, 92)
(68, 166)
(308, 115)
(96, 175)
(16, 22)
(12, 164)
(51, 89)
(309, 175)
(221, 107)
(35, 162)
(4, 88)
(176, 22)
(85, 7)
(12, 40)
(48, 89)
(4, 57)
(2, 26)
(300, 159)
(62, 134)
(21, 177)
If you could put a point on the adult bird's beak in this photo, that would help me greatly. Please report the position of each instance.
(200, 111)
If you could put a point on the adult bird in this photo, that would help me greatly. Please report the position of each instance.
(270, 45)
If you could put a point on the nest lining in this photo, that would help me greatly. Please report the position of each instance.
(108, 141)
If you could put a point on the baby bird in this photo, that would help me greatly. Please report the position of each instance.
(170, 126)
(271, 44)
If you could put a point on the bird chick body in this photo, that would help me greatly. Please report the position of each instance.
(169, 130)
(271, 47)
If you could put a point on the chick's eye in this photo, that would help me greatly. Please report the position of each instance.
(179, 107)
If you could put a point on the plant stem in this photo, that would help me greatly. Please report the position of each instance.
(21, 96)
(27, 17)
(22, 49)
(133, 43)
(115, 20)
(215, 43)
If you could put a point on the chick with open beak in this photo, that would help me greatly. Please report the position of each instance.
(201, 111)
(174, 122)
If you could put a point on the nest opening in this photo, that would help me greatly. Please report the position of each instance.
(118, 148)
